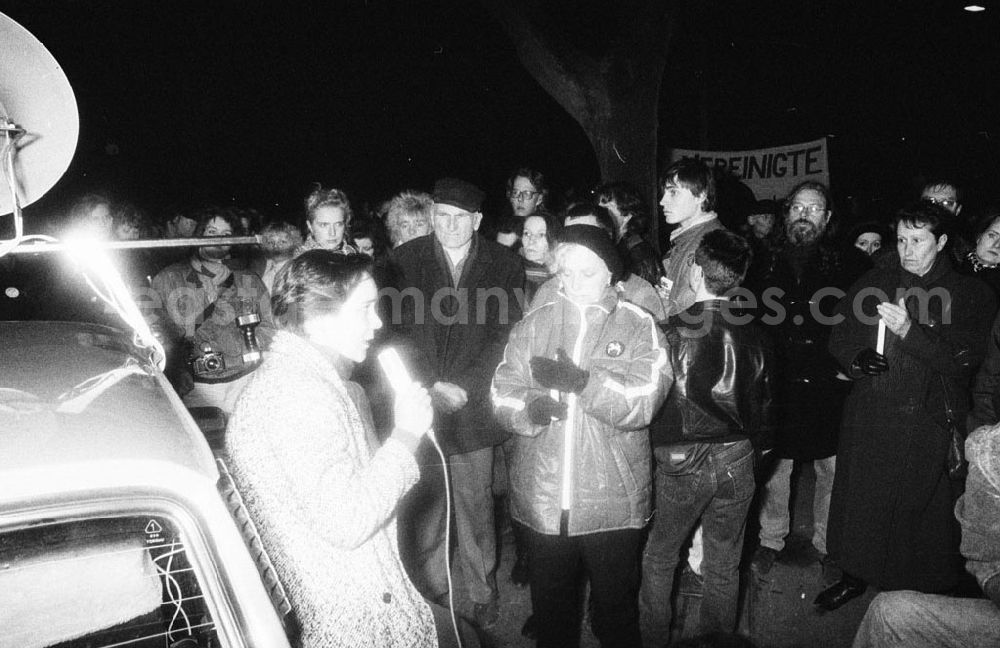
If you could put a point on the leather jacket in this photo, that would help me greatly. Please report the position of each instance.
(598, 457)
(722, 366)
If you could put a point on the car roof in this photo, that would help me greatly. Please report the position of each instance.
(75, 396)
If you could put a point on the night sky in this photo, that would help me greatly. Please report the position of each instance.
(251, 102)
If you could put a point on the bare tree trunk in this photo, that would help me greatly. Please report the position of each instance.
(615, 98)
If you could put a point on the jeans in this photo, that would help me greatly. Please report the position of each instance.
(914, 620)
(559, 564)
(774, 514)
(718, 492)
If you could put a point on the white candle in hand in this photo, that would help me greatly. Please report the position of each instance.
(880, 345)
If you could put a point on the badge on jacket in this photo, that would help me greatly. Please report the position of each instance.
(614, 349)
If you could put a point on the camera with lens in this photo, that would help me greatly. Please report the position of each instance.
(209, 363)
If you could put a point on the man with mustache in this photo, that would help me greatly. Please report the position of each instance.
(796, 286)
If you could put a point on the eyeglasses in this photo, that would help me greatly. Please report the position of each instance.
(529, 236)
(947, 203)
(521, 196)
(812, 210)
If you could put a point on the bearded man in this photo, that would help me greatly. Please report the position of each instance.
(797, 285)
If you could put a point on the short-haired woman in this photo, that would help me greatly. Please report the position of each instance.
(328, 219)
(320, 487)
(892, 521)
(581, 378)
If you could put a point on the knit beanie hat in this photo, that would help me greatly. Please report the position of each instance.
(597, 241)
(458, 193)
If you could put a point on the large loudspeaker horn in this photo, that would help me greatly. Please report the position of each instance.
(35, 95)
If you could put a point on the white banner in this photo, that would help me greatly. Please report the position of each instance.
(772, 172)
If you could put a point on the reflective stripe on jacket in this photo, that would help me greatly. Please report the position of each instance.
(596, 462)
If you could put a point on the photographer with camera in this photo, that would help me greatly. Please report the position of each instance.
(212, 317)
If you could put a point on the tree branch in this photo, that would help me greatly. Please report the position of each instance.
(562, 70)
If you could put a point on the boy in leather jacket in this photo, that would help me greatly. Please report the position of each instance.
(704, 439)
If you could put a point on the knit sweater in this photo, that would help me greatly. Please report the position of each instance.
(324, 497)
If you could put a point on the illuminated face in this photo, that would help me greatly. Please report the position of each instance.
(126, 232)
(988, 244)
(216, 227)
(917, 248)
(612, 206)
(679, 204)
(524, 197)
(100, 217)
(583, 274)
(761, 224)
(349, 331)
(453, 226)
(327, 226)
(944, 195)
(182, 227)
(365, 246)
(535, 240)
(807, 217)
(411, 226)
(868, 242)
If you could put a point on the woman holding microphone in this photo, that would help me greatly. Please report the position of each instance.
(321, 489)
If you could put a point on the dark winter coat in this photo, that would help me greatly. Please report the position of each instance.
(986, 387)
(795, 309)
(457, 334)
(891, 516)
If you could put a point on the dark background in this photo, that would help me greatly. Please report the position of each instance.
(251, 102)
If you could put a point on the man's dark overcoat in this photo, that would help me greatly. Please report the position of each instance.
(457, 333)
(796, 291)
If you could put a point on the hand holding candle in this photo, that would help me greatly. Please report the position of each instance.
(895, 316)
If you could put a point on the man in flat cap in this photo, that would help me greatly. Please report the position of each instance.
(459, 298)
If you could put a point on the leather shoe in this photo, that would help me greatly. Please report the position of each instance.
(519, 573)
(841, 592)
(763, 559)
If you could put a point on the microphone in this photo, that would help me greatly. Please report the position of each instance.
(399, 378)
(396, 372)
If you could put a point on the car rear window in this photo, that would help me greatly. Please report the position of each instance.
(123, 581)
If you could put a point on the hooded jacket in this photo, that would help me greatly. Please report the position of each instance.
(596, 463)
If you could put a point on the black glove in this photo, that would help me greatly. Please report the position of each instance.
(870, 362)
(544, 408)
(560, 374)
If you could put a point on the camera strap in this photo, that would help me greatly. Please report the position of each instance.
(210, 309)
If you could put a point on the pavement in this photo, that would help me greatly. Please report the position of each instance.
(776, 609)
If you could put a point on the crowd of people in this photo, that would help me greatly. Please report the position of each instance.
(621, 409)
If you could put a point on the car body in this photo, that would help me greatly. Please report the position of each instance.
(116, 524)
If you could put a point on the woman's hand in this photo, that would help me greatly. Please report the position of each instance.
(560, 374)
(413, 415)
(895, 316)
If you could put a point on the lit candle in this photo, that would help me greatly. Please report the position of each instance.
(880, 345)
